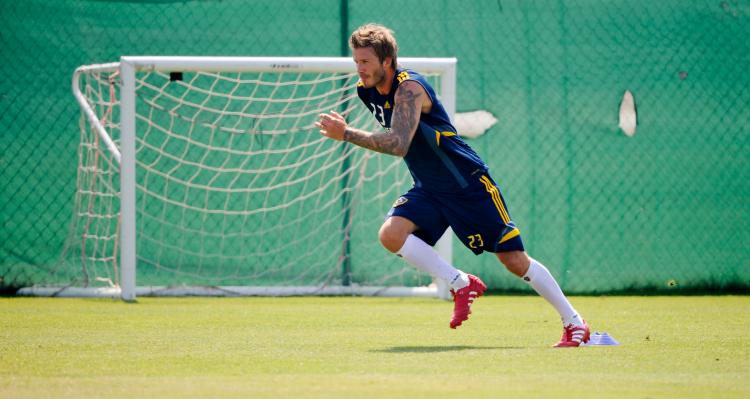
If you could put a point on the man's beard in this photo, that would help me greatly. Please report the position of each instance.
(377, 78)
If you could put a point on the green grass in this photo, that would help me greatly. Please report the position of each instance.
(671, 347)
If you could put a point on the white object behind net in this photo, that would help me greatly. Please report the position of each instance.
(235, 185)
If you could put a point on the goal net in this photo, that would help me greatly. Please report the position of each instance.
(206, 175)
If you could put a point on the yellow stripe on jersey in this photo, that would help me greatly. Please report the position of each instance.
(360, 84)
(495, 193)
(513, 233)
(446, 134)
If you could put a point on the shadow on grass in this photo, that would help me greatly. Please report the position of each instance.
(435, 349)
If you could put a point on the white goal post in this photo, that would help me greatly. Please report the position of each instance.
(225, 106)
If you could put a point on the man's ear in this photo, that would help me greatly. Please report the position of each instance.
(388, 61)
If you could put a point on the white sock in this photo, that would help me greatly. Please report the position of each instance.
(424, 258)
(545, 285)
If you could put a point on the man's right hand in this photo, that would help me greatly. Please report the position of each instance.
(332, 125)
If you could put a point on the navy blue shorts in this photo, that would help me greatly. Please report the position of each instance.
(478, 216)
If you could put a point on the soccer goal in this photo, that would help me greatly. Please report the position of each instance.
(207, 176)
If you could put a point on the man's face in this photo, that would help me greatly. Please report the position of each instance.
(371, 71)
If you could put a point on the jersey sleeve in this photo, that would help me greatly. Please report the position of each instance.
(408, 75)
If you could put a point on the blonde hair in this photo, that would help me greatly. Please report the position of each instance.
(380, 38)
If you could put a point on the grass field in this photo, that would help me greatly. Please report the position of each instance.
(671, 347)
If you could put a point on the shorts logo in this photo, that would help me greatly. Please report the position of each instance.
(400, 201)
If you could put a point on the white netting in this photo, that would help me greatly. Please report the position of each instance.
(235, 185)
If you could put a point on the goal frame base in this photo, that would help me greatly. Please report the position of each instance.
(431, 291)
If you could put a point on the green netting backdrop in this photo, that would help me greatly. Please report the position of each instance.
(667, 209)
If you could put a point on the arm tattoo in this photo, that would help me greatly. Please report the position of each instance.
(408, 103)
(387, 143)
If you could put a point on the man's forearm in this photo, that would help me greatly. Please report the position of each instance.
(387, 143)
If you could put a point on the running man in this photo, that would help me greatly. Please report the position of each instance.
(452, 185)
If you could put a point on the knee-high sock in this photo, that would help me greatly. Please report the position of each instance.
(425, 258)
(545, 285)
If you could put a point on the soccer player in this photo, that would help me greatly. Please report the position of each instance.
(452, 185)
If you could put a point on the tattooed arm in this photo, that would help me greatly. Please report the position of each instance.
(410, 99)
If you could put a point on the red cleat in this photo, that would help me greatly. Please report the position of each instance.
(463, 298)
(574, 336)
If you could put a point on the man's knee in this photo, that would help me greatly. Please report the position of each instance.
(517, 262)
(393, 233)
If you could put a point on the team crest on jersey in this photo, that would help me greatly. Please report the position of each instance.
(400, 201)
(387, 105)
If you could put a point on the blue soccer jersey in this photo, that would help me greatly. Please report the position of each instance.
(452, 186)
(438, 159)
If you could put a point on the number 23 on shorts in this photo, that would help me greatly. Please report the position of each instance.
(475, 241)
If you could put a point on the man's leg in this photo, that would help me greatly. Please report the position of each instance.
(540, 279)
(396, 236)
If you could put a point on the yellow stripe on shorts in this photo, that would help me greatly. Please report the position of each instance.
(513, 233)
(495, 194)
